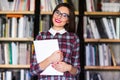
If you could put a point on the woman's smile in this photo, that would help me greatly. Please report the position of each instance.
(58, 21)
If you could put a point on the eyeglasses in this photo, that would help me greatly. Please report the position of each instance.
(63, 15)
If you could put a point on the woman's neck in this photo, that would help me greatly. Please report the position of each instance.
(57, 28)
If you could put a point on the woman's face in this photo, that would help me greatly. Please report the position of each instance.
(60, 17)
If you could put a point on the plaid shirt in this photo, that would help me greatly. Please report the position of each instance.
(69, 45)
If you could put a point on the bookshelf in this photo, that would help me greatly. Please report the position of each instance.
(93, 65)
(14, 66)
(101, 13)
(16, 37)
(17, 12)
(49, 13)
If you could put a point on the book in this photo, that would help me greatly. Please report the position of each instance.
(116, 52)
(90, 55)
(22, 50)
(101, 28)
(14, 53)
(8, 75)
(106, 55)
(43, 49)
(89, 5)
(107, 28)
(95, 76)
(101, 55)
(111, 26)
(32, 6)
(87, 55)
(94, 28)
(117, 28)
(112, 55)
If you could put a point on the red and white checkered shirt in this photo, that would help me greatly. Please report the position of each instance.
(69, 45)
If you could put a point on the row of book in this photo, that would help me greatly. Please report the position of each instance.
(20, 26)
(21, 74)
(49, 5)
(111, 1)
(17, 5)
(45, 23)
(29, 5)
(15, 53)
(110, 7)
(103, 75)
(103, 5)
(102, 54)
(102, 27)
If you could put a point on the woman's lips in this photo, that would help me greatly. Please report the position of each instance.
(58, 20)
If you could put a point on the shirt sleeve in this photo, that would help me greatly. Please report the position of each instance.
(34, 66)
(76, 54)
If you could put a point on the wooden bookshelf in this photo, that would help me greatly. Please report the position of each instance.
(102, 67)
(94, 43)
(12, 47)
(102, 13)
(17, 12)
(8, 66)
(16, 39)
(49, 13)
(103, 40)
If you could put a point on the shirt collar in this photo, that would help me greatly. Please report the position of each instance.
(53, 32)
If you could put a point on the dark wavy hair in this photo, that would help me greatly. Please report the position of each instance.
(70, 27)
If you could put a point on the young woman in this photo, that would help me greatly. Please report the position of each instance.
(66, 59)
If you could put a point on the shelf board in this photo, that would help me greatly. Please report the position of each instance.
(30, 12)
(14, 66)
(16, 12)
(102, 67)
(16, 39)
(50, 13)
(102, 13)
(103, 40)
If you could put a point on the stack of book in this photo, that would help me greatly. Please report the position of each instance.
(110, 7)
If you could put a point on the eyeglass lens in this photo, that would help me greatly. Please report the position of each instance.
(64, 15)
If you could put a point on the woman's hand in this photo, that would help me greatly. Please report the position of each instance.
(62, 66)
(56, 57)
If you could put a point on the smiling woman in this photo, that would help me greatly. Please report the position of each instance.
(66, 59)
(69, 10)
(60, 18)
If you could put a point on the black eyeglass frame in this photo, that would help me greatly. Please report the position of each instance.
(63, 15)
